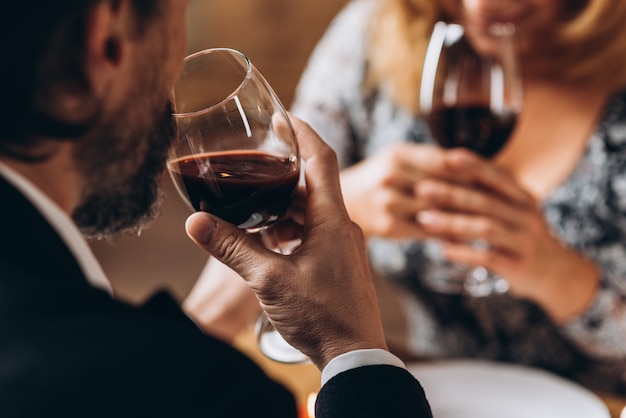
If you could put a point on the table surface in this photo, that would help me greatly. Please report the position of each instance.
(304, 379)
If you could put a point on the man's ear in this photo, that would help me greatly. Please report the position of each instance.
(107, 37)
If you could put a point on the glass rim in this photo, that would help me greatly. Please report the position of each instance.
(232, 94)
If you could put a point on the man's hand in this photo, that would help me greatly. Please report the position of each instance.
(321, 298)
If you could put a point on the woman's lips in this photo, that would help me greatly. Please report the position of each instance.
(485, 22)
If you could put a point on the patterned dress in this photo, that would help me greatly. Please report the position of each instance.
(587, 212)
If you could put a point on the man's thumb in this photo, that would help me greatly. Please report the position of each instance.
(223, 241)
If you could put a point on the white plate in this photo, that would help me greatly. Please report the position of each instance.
(481, 389)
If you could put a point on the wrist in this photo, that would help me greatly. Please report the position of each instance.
(331, 352)
(570, 292)
(359, 358)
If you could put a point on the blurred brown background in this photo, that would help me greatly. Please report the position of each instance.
(278, 36)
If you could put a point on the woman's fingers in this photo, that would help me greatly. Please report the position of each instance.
(470, 200)
(465, 228)
(476, 171)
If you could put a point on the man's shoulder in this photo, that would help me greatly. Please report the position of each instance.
(120, 356)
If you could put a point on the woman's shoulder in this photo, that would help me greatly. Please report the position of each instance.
(350, 27)
(356, 14)
(338, 63)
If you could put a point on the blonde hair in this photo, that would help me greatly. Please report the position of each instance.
(586, 48)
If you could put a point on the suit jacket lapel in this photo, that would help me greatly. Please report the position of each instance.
(26, 237)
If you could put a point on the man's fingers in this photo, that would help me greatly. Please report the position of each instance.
(226, 243)
(321, 172)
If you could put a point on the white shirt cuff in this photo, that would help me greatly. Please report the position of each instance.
(359, 358)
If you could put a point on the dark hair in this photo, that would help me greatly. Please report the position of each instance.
(43, 47)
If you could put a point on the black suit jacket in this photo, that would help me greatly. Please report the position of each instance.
(69, 350)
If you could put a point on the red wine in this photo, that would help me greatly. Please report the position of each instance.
(249, 189)
(475, 127)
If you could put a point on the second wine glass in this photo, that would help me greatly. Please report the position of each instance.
(471, 96)
(236, 155)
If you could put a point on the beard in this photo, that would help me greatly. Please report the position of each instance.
(121, 167)
(121, 160)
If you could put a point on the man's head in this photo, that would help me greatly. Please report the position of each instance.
(93, 75)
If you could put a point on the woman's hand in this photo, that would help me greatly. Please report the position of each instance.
(487, 204)
(380, 191)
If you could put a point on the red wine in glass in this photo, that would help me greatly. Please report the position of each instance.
(250, 189)
(470, 96)
(236, 156)
(475, 127)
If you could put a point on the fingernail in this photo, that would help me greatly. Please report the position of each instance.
(201, 227)
(462, 158)
(426, 188)
(427, 217)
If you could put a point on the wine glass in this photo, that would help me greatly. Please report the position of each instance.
(236, 155)
(471, 96)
